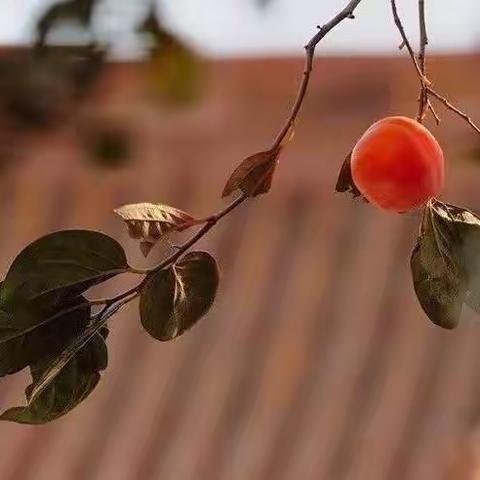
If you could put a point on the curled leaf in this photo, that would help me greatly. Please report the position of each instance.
(254, 175)
(175, 299)
(149, 222)
(345, 183)
(445, 262)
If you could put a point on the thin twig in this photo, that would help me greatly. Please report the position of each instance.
(424, 81)
(347, 12)
(433, 111)
(407, 43)
(180, 250)
(211, 221)
(423, 99)
(453, 108)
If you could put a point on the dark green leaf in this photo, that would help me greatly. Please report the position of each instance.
(97, 325)
(46, 340)
(69, 387)
(345, 183)
(467, 225)
(175, 299)
(446, 262)
(254, 175)
(61, 265)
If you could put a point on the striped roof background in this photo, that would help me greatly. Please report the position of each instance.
(316, 361)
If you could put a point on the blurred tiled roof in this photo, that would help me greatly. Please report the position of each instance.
(316, 361)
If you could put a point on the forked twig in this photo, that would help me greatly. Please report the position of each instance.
(425, 83)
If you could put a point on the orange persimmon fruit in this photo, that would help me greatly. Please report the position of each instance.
(398, 164)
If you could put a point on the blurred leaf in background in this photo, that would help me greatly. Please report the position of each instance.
(108, 142)
(39, 89)
(175, 71)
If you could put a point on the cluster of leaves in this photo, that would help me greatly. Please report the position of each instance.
(445, 263)
(43, 309)
(48, 324)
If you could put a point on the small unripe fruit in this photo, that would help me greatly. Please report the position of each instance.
(397, 164)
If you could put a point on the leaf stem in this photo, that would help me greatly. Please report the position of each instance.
(137, 271)
(210, 223)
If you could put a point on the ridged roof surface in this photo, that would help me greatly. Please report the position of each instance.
(316, 362)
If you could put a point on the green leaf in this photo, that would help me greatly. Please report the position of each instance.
(467, 225)
(97, 325)
(446, 262)
(175, 299)
(61, 265)
(46, 340)
(254, 175)
(69, 388)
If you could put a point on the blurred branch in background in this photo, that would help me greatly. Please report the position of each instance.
(42, 85)
(80, 11)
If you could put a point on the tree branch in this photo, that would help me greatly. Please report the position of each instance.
(443, 100)
(407, 44)
(347, 12)
(112, 305)
(423, 99)
(425, 83)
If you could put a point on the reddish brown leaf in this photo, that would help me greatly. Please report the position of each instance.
(345, 181)
(254, 175)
